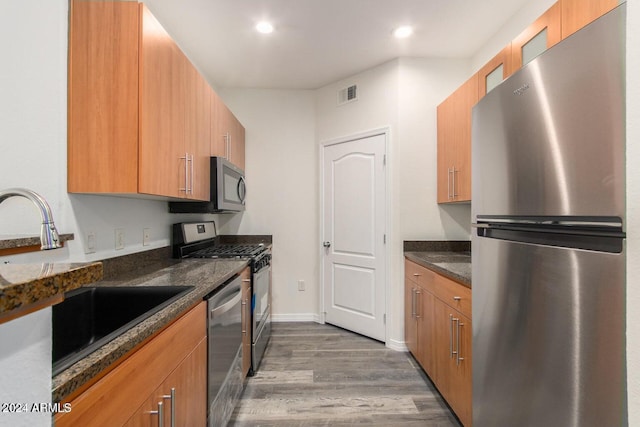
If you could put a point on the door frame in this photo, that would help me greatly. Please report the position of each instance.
(386, 131)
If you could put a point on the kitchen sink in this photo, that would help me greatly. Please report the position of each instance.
(90, 317)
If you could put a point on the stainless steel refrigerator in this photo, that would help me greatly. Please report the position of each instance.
(548, 243)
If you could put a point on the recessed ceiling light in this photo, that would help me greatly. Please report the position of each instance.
(403, 32)
(264, 27)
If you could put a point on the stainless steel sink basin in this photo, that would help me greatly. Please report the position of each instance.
(90, 317)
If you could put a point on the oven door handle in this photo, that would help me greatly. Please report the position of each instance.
(226, 306)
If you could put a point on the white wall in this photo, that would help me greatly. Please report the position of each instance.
(25, 367)
(282, 191)
(633, 210)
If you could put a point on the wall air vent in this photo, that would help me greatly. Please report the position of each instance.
(348, 94)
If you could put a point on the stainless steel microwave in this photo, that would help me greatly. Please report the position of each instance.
(228, 191)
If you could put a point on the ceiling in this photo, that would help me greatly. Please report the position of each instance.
(317, 42)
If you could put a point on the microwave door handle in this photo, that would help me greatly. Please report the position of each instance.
(242, 189)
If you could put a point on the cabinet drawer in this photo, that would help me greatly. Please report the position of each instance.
(419, 275)
(453, 294)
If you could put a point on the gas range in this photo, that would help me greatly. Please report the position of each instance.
(199, 240)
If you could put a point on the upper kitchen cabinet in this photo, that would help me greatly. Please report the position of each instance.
(198, 132)
(137, 123)
(227, 132)
(578, 13)
(537, 37)
(454, 143)
(494, 71)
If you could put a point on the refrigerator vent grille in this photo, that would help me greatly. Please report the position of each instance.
(348, 94)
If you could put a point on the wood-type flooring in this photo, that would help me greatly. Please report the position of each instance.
(316, 375)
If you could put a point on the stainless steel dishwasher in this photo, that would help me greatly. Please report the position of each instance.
(225, 352)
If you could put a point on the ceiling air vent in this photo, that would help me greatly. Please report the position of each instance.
(348, 94)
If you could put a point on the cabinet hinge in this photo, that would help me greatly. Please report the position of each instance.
(384, 160)
(384, 239)
(384, 318)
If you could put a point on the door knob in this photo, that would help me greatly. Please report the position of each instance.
(326, 244)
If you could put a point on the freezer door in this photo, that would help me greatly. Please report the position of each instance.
(548, 336)
(549, 141)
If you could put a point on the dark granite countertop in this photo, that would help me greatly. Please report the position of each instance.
(21, 241)
(450, 259)
(205, 275)
(26, 285)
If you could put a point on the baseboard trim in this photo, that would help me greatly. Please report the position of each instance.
(296, 317)
(396, 345)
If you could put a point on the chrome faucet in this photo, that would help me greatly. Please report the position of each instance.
(48, 234)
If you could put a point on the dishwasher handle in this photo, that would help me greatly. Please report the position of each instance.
(223, 308)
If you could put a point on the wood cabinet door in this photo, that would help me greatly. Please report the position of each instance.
(218, 126)
(466, 98)
(237, 154)
(578, 13)
(537, 37)
(197, 133)
(410, 321)
(426, 330)
(461, 376)
(148, 414)
(163, 166)
(189, 383)
(446, 148)
(453, 359)
(494, 71)
(454, 143)
(102, 153)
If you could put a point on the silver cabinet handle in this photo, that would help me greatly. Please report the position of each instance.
(244, 317)
(458, 358)
(227, 146)
(452, 352)
(416, 275)
(191, 179)
(418, 315)
(160, 414)
(455, 194)
(186, 173)
(413, 303)
(457, 298)
(172, 398)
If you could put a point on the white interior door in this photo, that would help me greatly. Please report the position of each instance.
(354, 240)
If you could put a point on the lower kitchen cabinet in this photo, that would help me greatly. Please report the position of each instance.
(180, 394)
(452, 347)
(438, 333)
(246, 320)
(175, 359)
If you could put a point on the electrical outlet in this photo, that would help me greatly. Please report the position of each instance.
(91, 243)
(301, 285)
(146, 237)
(119, 238)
